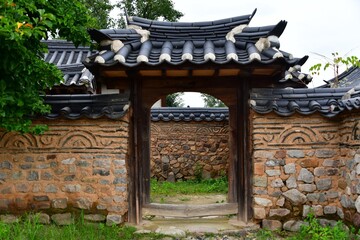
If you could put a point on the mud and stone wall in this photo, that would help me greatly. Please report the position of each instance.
(186, 150)
(349, 170)
(76, 165)
(300, 164)
(304, 164)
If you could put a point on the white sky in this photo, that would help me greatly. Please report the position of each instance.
(314, 26)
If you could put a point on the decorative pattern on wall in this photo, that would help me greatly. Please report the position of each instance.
(268, 132)
(175, 129)
(61, 137)
(350, 131)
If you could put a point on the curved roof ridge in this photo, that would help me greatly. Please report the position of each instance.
(154, 24)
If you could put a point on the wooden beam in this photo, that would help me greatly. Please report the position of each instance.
(244, 167)
(145, 160)
(188, 211)
(233, 153)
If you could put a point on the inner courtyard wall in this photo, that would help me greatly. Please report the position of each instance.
(77, 165)
(188, 150)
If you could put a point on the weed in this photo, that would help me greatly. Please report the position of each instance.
(265, 234)
(198, 172)
(315, 231)
(185, 199)
(5, 230)
(217, 185)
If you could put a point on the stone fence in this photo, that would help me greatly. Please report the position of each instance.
(187, 150)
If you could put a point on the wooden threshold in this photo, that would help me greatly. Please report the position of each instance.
(188, 211)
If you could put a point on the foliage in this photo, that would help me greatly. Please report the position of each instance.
(30, 228)
(152, 9)
(265, 234)
(215, 185)
(316, 231)
(174, 100)
(24, 74)
(100, 11)
(211, 101)
(334, 63)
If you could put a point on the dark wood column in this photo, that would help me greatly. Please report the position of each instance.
(244, 167)
(233, 154)
(135, 164)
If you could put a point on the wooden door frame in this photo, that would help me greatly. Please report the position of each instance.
(139, 165)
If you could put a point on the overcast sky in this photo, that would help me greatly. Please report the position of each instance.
(314, 26)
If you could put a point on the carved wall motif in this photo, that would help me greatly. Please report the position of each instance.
(183, 128)
(77, 137)
(293, 131)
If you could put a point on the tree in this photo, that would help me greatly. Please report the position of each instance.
(334, 63)
(24, 75)
(211, 101)
(100, 11)
(152, 9)
(174, 100)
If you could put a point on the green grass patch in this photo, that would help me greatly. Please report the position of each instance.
(311, 230)
(29, 228)
(205, 186)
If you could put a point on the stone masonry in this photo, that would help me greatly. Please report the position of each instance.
(302, 166)
(76, 165)
(183, 150)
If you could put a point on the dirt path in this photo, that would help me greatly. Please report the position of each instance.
(190, 199)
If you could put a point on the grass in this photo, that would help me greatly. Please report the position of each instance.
(204, 186)
(29, 228)
(313, 230)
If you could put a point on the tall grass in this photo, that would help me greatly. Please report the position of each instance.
(204, 186)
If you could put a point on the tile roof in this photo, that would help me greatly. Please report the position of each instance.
(189, 114)
(329, 102)
(223, 41)
(348, 78)
(69, 59)
(113, 106)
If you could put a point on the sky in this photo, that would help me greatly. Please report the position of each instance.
(314, 26)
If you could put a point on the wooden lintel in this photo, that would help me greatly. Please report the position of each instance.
(187, 211)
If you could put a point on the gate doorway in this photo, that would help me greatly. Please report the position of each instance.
(189, 158)
(234, 92)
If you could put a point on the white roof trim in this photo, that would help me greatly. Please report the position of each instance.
(187, 56)
(142, 58)
(262, 44)
(209, 56)
(119, 58)
(232, 56)
(165, 56)
(234, 31)
(116, 45)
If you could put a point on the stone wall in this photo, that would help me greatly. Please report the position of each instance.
(182, 150)
(349, 181)
(297, 162)
(76, 165)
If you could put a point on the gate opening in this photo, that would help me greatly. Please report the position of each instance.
(189, 157)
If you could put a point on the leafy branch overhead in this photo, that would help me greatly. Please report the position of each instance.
(24, 74)
(152, 9)
(24, 23)
(334, 63)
